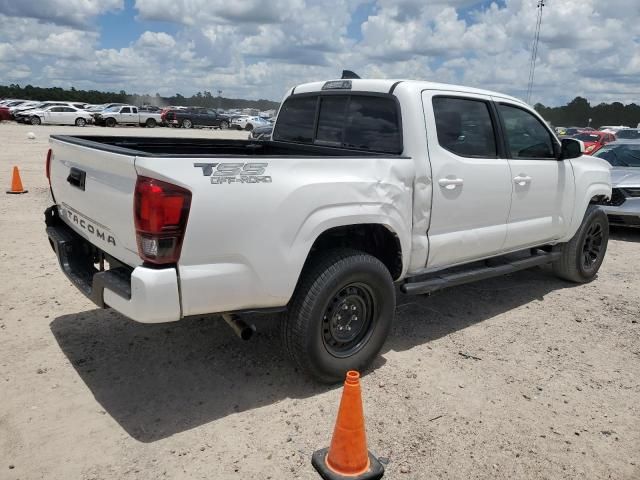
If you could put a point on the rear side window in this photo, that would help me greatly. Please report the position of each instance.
(464, 127)
(361, 122)
(525, 134)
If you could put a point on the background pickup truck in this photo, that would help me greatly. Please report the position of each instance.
(196, 117)
(367, 186)
(126, 115)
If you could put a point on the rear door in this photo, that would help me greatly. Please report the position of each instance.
(53, 115)
(543, 186)
(471, 178)
(94, 192)
(67, 115)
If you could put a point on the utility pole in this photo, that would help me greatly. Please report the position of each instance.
(534, 49)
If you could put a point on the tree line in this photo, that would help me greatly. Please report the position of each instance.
(200, 99)
(578, 111)
(575, 113)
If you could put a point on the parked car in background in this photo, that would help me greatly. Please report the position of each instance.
(245, 122)
(262, 132)
(5, 109)
(594, 141)
(196, 117)
(628, 134)
(59, 115)
(126, 115)
(22, 113)
(624, 206)
(612, 128)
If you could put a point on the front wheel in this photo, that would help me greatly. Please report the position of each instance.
(150, 123)
(224, 125)
(110, 122)
(583, 255)
(80, 122)
(340, 314)
(186, 123)
(248, 127)
(35, 120)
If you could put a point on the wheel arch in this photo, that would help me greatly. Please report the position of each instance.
(594, 194)
(375, 239)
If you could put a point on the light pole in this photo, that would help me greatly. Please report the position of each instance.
(219, 99)
(534, 49)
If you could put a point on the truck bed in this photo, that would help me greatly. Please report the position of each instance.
(207, 147)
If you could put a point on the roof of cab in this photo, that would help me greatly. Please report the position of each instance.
(385, 85)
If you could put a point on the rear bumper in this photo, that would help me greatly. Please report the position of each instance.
(146, 295)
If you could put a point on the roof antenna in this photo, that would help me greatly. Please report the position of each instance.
(348, 74)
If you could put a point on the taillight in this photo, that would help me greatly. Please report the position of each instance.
(48, 166)
(161, 211)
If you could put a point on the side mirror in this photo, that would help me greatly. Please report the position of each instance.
(571, 148)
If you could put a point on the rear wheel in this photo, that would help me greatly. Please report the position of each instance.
(186, 123)
(80, 122)
(224, 125)
(150, 123)
(35, 120)
(248, 127)
(583, 255)
(110, 122)
(340, 314)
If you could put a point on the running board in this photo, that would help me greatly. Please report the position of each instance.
(445, 280)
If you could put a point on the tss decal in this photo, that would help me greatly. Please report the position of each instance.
(229, 172)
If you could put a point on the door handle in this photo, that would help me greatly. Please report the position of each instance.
(522, 180)
(450, 183)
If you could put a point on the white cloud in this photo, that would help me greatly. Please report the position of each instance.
(255, 49)
(64, 12)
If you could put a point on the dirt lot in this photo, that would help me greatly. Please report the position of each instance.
(525, 376)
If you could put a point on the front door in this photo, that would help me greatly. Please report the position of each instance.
(471, 179)
(543, 186)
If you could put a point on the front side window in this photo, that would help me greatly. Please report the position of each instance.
(125, 110)
(464, 127)
(525, 134)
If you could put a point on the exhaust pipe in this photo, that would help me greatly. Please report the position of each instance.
(241, 328)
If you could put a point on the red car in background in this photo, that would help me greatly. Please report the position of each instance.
(594, 141)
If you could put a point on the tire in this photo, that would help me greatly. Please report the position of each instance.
(150, 123)
(35, 120)
(335, 282)
(224, 125)
(186, 123)
(582, 256)
(80, 122)
(110, 122)
(248, 127)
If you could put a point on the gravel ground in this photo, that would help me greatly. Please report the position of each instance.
(524, 376)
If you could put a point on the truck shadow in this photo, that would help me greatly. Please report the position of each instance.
(625, 234)
(158, 380)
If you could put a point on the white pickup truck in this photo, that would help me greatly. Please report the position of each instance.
(367, 186)
(127, 115)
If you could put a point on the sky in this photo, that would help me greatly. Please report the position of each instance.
(258, 49)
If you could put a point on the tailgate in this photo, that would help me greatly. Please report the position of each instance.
(94, 192)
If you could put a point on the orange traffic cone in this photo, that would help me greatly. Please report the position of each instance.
(16, 183)
(348, 457)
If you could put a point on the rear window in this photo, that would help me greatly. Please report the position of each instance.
(361, 122)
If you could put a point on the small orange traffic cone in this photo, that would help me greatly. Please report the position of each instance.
(16, 183)
(348, 457)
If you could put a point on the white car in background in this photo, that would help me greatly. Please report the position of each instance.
(60, 115)
(247, 122)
